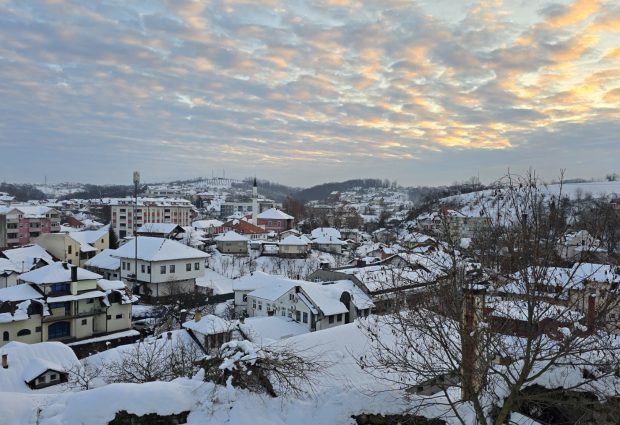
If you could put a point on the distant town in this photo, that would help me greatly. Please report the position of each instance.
(434, 300)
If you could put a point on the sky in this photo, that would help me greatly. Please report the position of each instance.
(424, 92)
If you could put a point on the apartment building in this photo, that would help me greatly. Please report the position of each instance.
(62, 302)
(149, 210)
(20, 224)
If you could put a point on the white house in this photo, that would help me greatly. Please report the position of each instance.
(328, 244)
(232, 243)
(211, 331)
(105, 264)
(313, 305)
(164, 267)
(293, 246)
(320, 232)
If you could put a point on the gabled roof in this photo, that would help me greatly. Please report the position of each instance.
(57, 273)
(205, 224)
(28, 361)
(162, 228)
(274, 214)
(19, 293)
(325, 231)
(105, 260)
(274, 291)
(328, 240)
(209, 325)
(293, 240)
(89, 236)
(231, 236)
(158, 249)
(27, 256)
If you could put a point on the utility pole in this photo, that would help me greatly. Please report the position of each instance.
(136, 182)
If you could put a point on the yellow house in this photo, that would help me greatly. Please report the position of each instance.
(75, 247)
(62, 302)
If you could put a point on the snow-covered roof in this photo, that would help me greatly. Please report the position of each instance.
(7, 266)
(209, 325)
(163, 228)
(273, 291)
(27, 361)
(325, 231)
(274, 214)
(328, 240)
(105, 260)
(519, 310)
(56, 273)
(83, 296)
(109, 285)
(262, 330)
(19, 293)
(254, 281)
(89, 236)
(293, 240)
(205, 224)
(158, 249)
(596, 273)
(30, 211)
(27, 256)
(231, 236)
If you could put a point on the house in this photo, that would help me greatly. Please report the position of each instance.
(320, 232)
(164, 267)
(313, 305)
(105, 264)
(245, 228)
(75, 247)
(232, 243)
(20, 224)
(293, 246)
(274, 220)
(328, 244)
(210, 228)
(63, 302)
(579, 246)
(210, 331)
(161, 230)
(27, 367)
(28, 257)
(8, 273)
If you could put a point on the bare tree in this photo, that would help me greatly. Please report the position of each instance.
(505, 322)
(155, 359)
(83, 376)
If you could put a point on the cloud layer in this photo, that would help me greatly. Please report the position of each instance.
(304, 92)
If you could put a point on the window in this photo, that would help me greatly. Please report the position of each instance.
(84, 322)
(283, 313)
(298, 316)
(37, 329)
(162, 270)
(58, 330)
(24, 332)
(172, 268)
(69, 249)
(148, 269)
(128, 266)
(245, 298)
(253, 303)
(53, 377)
(143, 268)
(260, 306)
(90, 301)
(41, 380)
(59, 287)
(119, 316)
(123, 265)
(331, 319)
(305, 317)
(339, 317)
(291, 297)
(188, 267)
(108, 317)
(196, 266)
(56, 305)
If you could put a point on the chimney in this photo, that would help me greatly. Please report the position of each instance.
(5, 361)
(183, 316)
(197, 316)
(74, 274)
(65, 265)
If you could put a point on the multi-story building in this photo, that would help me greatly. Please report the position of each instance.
(75, 247)
(164, 267)
(62, 302)
(149, 210)
(20, 224)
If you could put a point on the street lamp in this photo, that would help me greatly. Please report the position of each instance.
(136, 182)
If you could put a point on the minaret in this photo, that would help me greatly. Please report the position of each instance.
(254, 203)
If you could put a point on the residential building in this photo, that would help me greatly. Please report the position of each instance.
(21, 224)
(274, 220)
(210, 331)
(293, 246)
(149, 210)
(28, 257)
(161, 230)
(27, 367)
(75, 247)
(65, 303)
(245, 228)
(164, 267)
(232, 243)
(210, 228)
(105, 264)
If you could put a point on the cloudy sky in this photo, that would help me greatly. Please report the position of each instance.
(303, 92)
